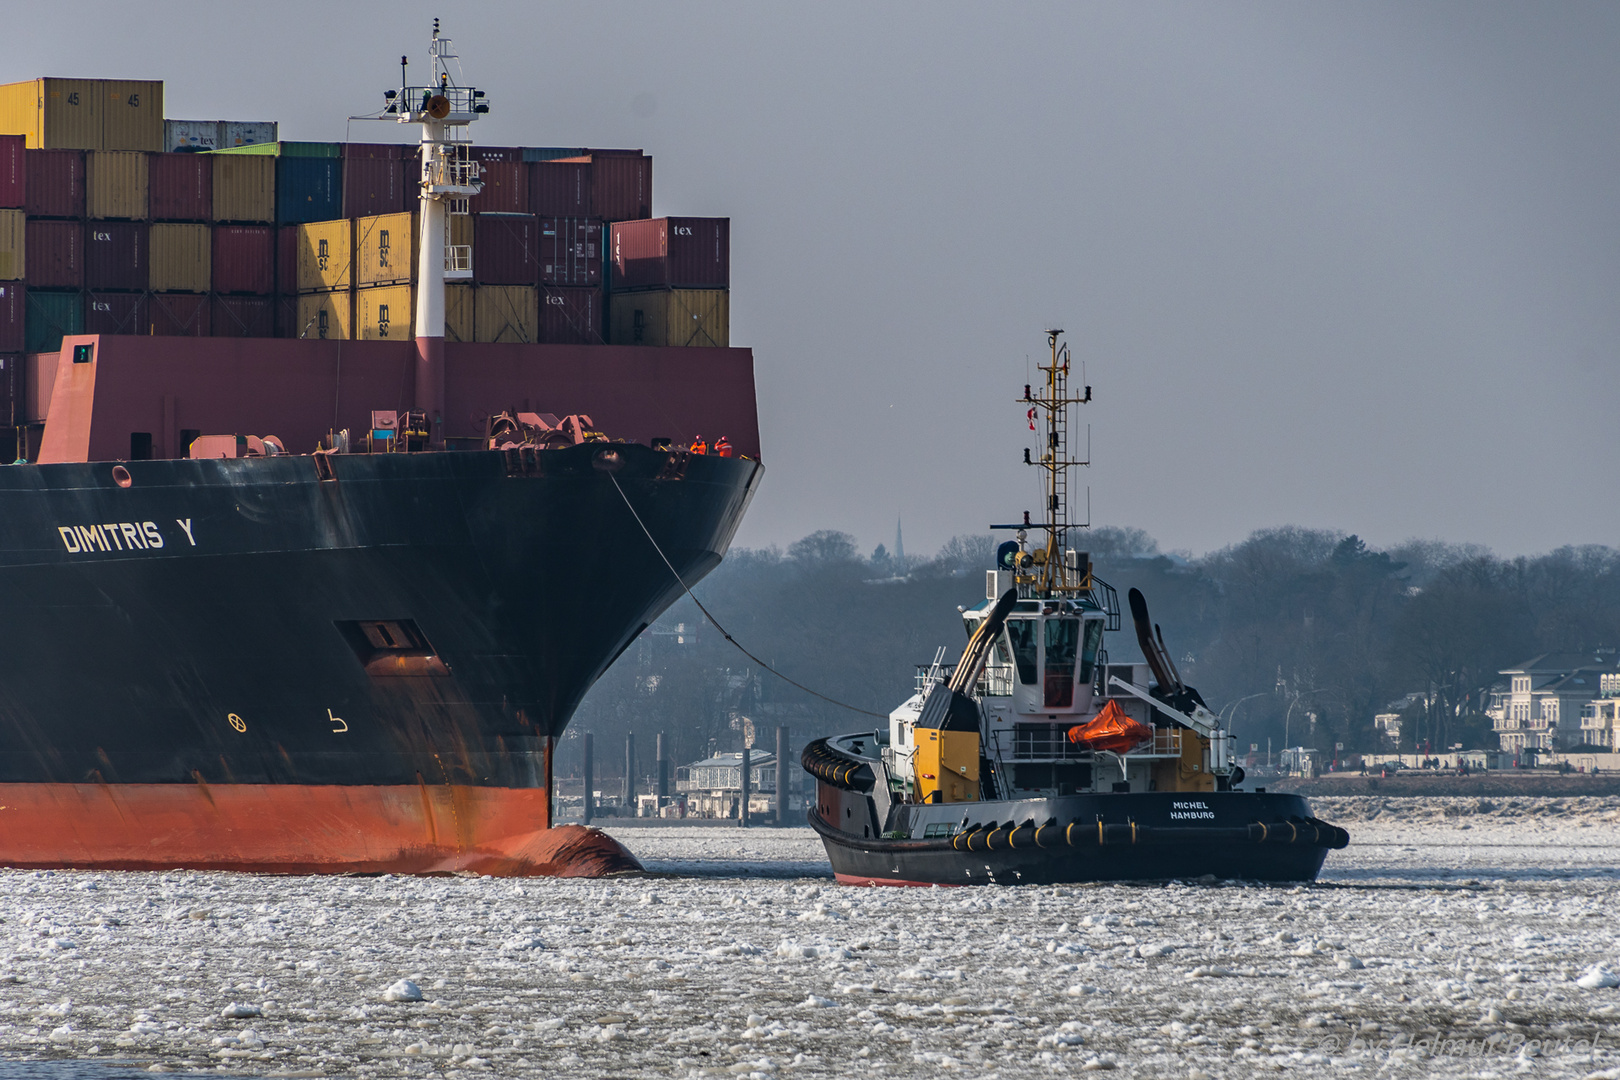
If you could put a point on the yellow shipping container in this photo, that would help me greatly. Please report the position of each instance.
(84, 114)
(131, 115)
(13, 245)
(671, 317)
(116, 184)
(384, 312)
(384, 249)
(181, 258)
(506, 313)
(461, 229)
(459, 307)
(53, 114)
(327, 315)
(244, 188)
(326, 255)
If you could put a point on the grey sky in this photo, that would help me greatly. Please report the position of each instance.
(1344, 266)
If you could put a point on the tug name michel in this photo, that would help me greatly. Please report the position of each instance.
(118, 536)
(1191, 810)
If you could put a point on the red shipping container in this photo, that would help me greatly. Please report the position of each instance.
(13, 172)
(560, 189)
(55, 183)
(243, 316)
(359, 151)
(181, 186)
(506, 189)
(373, 186)
(115, 256)
(621, 186)
(506, 249)
(55, 254)
(570, 316)
(287, 260)
(244, 260)
(116, 313)
(413, 178)
(570, 251)
(674, 253)
(180, 314)
(12, 308)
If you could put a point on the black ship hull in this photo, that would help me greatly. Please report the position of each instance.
(369, 644)
(1146, 836)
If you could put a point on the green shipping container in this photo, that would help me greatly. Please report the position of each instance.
(50, 315)
(287, 149)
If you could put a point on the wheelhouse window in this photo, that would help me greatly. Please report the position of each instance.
(1088, 655)
(1021, 633)
(1062, 648)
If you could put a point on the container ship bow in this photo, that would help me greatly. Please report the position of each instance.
(223, 654)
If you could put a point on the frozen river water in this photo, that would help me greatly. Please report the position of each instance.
(1453, 938)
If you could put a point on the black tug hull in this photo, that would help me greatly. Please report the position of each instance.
(1145, 836)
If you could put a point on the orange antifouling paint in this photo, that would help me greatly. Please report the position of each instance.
(298, 829)
(1110, 730)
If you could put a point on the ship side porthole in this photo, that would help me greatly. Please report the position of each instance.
(121, 476)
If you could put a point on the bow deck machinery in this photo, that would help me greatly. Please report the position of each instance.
(1034, 759)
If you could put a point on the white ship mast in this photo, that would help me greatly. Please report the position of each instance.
(449, 177)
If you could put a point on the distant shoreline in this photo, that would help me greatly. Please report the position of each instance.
(1419, 782)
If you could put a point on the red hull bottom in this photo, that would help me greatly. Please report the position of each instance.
(856, 879)
(298, 829)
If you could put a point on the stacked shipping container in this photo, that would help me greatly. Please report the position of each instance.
(115, 221)
(671, 279)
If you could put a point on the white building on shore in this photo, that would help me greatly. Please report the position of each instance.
(1543, 707)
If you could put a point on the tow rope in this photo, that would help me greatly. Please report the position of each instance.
(723, 631)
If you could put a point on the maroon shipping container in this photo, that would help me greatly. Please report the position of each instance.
(55, 254)
(286, 317)
(12, 308)
(509, 154)
(13, 172)
(506, 189)
(181, 186)
(244, 259)
(180, 314)
(12, 406)
(621, 186)
(287, 260)
(116, 313)
(570, 316)
(55, 183)
(115, 256)
(678, 253)
(359, 151)
(570, 251)
(506, 249)
(243, 316)
(560, 189)
(373, 186)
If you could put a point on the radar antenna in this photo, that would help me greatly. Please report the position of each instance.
(449, 177)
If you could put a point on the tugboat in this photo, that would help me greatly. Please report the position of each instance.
(1033, 759)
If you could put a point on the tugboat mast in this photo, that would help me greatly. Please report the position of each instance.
(1054, 570)
(449, 177)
